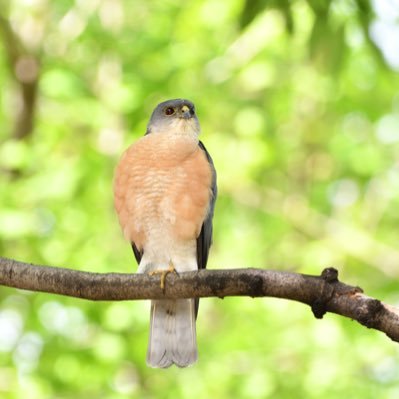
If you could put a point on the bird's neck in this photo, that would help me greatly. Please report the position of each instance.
(170, 147)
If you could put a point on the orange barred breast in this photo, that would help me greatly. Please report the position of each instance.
(162, 186)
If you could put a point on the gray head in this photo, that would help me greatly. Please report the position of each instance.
(174, 116)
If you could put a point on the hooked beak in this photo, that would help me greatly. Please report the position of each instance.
(186, 112)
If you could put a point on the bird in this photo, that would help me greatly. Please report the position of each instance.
(165, 191)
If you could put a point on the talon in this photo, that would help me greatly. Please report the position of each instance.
(171, 268)
(164, 273)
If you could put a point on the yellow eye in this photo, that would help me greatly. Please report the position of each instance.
(169, 111)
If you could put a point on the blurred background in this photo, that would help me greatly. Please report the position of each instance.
(299, 106)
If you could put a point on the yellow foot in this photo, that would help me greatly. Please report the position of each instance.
(164, 273)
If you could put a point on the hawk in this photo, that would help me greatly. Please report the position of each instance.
(164, 193)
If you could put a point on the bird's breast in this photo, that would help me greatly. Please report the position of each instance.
(162, 189)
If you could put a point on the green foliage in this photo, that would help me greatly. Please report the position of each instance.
(301, 116)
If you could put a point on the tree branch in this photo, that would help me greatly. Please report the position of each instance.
(24, 66)
(323, 293)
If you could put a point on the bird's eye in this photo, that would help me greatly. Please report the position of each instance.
(169, 111)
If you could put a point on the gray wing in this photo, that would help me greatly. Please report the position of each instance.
(137, 253)
(204, 240)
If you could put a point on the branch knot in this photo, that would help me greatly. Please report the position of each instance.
(319, 306)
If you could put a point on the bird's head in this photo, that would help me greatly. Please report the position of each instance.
(174, 116)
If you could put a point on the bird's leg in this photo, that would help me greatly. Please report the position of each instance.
(164, 273)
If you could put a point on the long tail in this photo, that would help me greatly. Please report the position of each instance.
(172, 333)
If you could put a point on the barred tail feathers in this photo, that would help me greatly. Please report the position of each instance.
(172, 338)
